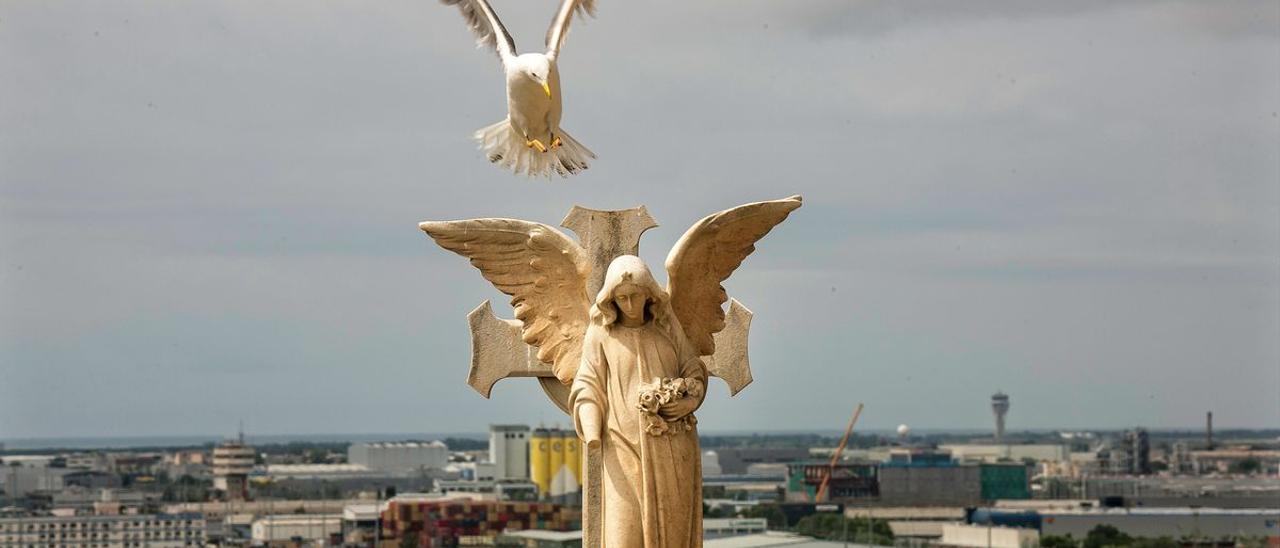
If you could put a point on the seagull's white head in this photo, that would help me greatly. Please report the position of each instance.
(536, 67)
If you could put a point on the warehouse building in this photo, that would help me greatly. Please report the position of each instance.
(399, 457)
(288, 530)
(942, 484)
(1178, 523)
(1003, 452)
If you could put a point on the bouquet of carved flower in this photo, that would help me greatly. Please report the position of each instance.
(661, 392)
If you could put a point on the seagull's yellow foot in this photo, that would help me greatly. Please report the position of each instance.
(556, 142)
(534, 143)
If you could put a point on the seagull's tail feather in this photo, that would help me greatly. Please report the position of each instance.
(570, 157)
(506, 148)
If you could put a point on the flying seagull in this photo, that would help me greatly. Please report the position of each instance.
(529, 140)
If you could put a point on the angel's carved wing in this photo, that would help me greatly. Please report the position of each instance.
(543, 270)
(707, 255)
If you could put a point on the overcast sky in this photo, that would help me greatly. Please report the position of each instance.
(208, 209)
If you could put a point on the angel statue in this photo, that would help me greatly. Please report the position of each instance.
(631, 354)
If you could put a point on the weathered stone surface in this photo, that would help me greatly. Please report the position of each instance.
(606, 235)
(730, 361)
(592, 495)
(498, 353)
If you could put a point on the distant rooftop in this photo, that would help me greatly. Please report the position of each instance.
(405, 444)
(289, 469)
(775, 538)
(535, 534)
(1186, 511)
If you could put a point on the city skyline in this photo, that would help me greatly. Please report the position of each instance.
(208, 211)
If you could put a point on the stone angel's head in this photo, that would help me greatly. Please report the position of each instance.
(631, 295)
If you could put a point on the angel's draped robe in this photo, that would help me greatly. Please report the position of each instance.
(652, 484)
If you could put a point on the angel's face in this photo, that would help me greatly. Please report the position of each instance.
(631, 300)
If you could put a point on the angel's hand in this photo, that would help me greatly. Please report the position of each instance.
(678, 409)
(592, 422)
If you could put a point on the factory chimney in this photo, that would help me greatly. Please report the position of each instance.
(1208, 430)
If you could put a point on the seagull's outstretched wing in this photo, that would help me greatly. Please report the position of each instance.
(485, 24)
(543, 270)
(560, 25)
(706, 255)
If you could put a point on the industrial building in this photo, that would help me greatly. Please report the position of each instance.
(1183, 524)
(964, 535)
(555, 462)
(87, 461)
(711, 464)
(736, 460)
(1202, 523)
(288, 529)
(849, 481)
(540, 539)
(910, 477)
(1134, 456)
(501, 490)
(932, 485)
(399, 457)
(713, 528)
(939, 484)
(100, 502)
(1005, 452)
(360, 524)
(121, 531)
(226, 519)
(1227, 460)
(18, 481)
(509, 451)
(932, 481)
(327, 472)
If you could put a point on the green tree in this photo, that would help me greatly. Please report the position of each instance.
(1056, 541)
(770, 512)
(1247, 466)
(830, 526)
(1162, 542)
(1106, 535)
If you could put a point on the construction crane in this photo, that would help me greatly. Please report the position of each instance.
(835, 457)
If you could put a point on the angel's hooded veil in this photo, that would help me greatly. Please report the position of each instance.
(631, 269)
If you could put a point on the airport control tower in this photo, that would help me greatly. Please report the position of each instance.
(232, 464)
(1000, 407)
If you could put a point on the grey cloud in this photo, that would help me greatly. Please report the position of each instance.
(829, 18)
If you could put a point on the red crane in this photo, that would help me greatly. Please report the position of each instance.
(835, 457)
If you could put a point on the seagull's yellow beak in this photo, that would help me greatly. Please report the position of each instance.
(547, 89)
